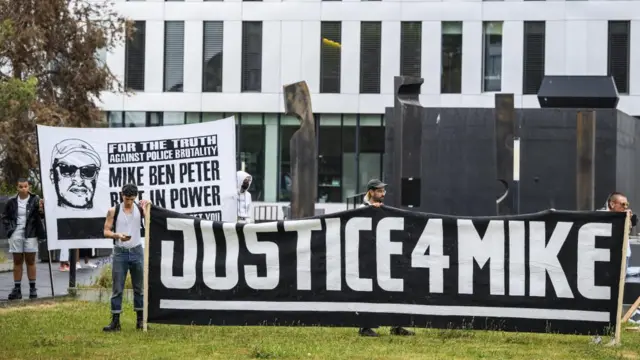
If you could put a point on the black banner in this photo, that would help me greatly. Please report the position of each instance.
(552, 271)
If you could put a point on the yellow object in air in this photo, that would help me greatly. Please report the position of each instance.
(328, 42)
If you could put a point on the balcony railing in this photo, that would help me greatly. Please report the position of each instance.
(355, 200)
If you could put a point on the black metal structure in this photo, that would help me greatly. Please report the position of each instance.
(465, 151)
(590, 92)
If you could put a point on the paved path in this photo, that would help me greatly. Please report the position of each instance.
(60, 279)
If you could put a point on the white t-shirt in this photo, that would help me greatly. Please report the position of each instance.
(21, 218)
(129, 224)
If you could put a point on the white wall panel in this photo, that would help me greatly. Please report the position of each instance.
(350, 58)
(154, 57)
(271, 50)
(194, 58)
(390, 56)
(291, 52)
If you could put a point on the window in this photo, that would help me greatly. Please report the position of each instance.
(370, 37)
(451, 76)
(173, 56)
(251, 151)
(154, 118)
(193, 118)
(173, 118)
(618, 58)
(212, 51)
(330, 56)
(115, 119)
(251, 56)
(533, 56)
(135, 119)
(330, 155)
(410, 48)
(492, 48)
(213, 116)
(135, 57)
(363, 151)
(287, 126)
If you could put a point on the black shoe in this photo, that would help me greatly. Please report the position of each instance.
(115, 324)
(16, 294)
(33, 293)
(368, 332)
(139, 321)
(401, 331)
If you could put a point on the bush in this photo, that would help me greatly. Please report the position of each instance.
(105, 281)
(7, 190)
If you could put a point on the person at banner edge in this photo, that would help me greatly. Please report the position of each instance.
(375, 197)
(243, 198)
(22, 219)
(618, 202)
(124, 224)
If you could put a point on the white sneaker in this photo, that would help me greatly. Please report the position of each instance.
(90, 265)
(78, 266)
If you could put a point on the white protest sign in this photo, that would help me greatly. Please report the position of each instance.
(189, 169)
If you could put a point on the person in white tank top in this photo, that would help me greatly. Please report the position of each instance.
(124, 225)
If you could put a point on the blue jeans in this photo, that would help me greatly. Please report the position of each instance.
(127, 260)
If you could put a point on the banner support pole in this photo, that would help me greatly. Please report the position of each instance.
(147, 223)
(631, 310)
(623, 275)
(53, 295)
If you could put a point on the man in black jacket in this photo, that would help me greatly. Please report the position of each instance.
(22, 219)
(375, 197)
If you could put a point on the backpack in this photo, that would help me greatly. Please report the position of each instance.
(115, 219)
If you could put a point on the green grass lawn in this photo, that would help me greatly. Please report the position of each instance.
(73, 329)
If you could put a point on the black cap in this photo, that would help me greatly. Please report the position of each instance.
(375, 184)
(130, 190)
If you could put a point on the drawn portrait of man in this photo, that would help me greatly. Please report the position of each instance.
(75, 166)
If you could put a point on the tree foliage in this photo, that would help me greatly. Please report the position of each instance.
(50, 73)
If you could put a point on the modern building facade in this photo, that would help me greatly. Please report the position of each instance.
(201, 60)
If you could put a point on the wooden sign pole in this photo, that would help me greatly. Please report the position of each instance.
(623, 275)
(147, 227)
(632, 310)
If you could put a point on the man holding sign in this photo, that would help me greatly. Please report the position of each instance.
(124, 224)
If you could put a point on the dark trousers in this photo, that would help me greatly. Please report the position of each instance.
(124, 261)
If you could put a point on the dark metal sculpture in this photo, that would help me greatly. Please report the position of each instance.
(303, 152)
(407, 142)
(585, 161)
(505, 131)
